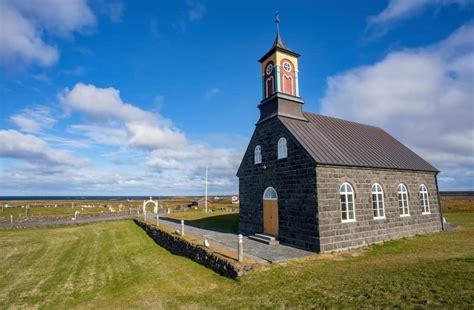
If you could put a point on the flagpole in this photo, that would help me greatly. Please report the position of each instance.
(205, 201)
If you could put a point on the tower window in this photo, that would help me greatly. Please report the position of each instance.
(347, 203)
(287, 66)
(282, 148)
(269, 86)
(403, 200)
(424, 201)
(258, 154)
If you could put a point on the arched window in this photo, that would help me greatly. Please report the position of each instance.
(269, 86)
(424, 201)
(377, 201)
(282, 148)
(347, 203)
(258, 154)
(288, 84)
(270, 194)
(403, 200)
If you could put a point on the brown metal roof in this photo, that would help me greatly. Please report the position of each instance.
(339, 142)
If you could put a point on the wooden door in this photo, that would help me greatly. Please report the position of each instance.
(270, 217)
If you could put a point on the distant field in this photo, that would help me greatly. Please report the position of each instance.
(115, 265)
(40, 208)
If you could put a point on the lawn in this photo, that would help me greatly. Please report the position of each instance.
(220, 221)
(115, 265)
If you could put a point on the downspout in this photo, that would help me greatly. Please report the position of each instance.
(439, 202)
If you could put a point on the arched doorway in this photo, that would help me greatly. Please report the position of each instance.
(270, 212)
(154, 202)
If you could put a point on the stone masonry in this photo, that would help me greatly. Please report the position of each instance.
(335, 235)
(294, 179)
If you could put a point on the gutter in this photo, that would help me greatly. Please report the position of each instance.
(439, 202)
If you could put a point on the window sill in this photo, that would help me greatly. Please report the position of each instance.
(348, 221)
(423, 213)
(404, 215)
(380, 218)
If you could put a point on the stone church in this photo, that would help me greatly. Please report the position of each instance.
(325, 184)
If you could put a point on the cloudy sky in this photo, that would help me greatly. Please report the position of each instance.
(138, 97)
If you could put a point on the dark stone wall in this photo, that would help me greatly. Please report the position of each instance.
(335, 235)
(179, 246)
(294, 179)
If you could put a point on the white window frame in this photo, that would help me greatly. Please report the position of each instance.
(257, 156)
(270, 194)
(347, 191)
(424, 200)
(377, 191)
(403, 205)
(282, 148)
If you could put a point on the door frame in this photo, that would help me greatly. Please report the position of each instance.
(270, 212)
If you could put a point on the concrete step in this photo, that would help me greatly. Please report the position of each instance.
(264, 239)
(267, 237)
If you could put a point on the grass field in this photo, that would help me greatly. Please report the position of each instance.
(220, 221)
(115, 265)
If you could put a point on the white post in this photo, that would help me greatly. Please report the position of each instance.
(11, 219)
(169, 211)
(157, 219)
(205, 201)
(144, 215)
(241, 249)
(182, 227)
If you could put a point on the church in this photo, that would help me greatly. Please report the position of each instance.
(325, 184)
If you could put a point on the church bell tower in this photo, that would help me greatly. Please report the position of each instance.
(280, 87)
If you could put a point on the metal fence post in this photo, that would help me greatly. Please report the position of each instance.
(241, 249)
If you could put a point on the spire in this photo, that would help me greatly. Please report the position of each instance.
(278, 42)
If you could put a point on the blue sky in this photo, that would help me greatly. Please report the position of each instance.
(138, 97)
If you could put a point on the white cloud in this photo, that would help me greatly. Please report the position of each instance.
(130, 150)
(130, 124)
(14, 144)
(196, 10)
(424, 97)
(113, 10)
(24, 25)
(34, 119)
(400, 9)
(211, 93)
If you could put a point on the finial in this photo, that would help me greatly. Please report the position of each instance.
(277, 20)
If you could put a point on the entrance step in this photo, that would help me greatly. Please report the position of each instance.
(270, 240)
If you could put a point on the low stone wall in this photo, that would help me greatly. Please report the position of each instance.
(179, 246)
(63, 220)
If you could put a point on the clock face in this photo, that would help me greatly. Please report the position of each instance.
(269, 69)
(287, 66)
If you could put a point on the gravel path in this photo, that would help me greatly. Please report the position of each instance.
(257, 250)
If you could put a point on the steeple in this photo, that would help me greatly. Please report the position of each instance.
(280, 85)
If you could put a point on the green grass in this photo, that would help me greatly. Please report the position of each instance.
(115, 265)
(19, 212)
(221, 221)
